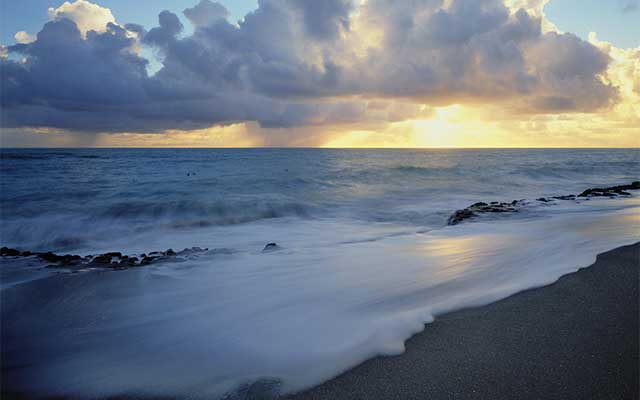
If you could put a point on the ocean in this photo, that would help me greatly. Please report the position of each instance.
(364, 257)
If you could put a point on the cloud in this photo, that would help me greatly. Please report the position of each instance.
(87, 16)
(206, 13)
(299, 63)
(23, 37)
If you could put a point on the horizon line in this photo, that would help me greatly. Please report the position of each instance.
(317, 148)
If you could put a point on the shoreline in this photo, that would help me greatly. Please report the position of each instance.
(576, 338)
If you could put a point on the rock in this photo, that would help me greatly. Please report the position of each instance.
(6, 251)
(128, 262)
(611, 191)
(69, 259)
(26, 254)
(270, 247)
(568, 197)
(147, 260)
(498, 207)
(460, 216)
(191, 251)
(170, 252)
(101, 260)
(481, 208)
(49, 256)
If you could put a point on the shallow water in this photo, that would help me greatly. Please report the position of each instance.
(366, 257)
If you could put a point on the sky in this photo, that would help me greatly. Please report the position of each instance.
(336, 73)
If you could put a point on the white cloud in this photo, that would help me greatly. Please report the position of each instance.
(86, 15)
(23, 37)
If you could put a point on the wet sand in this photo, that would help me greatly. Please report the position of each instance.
(575, 339)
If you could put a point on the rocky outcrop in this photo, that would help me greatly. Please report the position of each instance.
(477, 209)
(613, 191)
(483, 208)
(111, 260)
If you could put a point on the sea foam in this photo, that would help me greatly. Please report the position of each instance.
(209, 326)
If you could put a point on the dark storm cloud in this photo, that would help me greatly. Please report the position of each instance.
(170, 27)
(291, 63)
(206, 13)
(325, 19)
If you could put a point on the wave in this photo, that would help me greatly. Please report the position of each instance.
(186, 212)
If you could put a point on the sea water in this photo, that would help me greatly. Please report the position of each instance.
(365, 257)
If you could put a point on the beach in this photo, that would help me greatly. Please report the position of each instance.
(574, 339)
(337, 199)
(212, 273)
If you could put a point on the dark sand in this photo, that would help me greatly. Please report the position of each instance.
(575, 339)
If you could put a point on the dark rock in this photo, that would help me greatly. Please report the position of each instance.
(26, 254)
(6, 251)
(460, 216)
(567, 197)
(498, 207)
(610, 191)
(191, 251)
(101, 259)
(69, 259)
(49, 256)
(170, 252)
(270, 247)
(147, 260)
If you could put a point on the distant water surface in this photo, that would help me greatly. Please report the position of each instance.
(83, 199)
